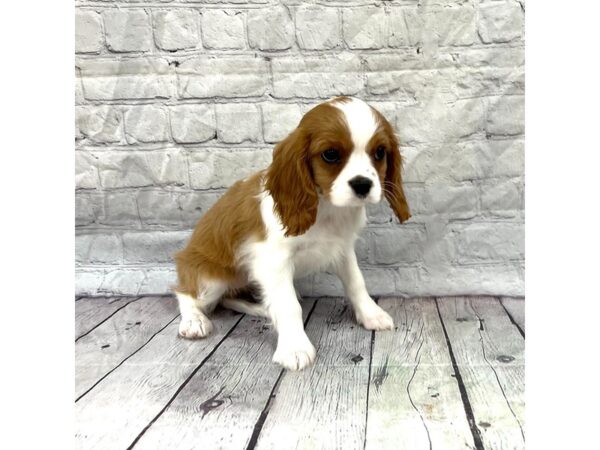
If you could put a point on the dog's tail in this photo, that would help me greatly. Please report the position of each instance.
(246, 307)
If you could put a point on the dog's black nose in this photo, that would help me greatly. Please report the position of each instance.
(361, 186)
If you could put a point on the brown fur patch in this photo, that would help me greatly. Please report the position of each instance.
(298, 173)
(392, 182)
(211, 251)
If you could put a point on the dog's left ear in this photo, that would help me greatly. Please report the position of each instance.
(394, 191)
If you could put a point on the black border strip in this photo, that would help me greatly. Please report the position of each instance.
(461, 386)
(521, 330)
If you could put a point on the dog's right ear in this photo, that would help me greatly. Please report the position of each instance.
(291, 184)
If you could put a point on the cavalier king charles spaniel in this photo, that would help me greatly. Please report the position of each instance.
(300, 215)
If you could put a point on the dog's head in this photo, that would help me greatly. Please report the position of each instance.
(344, 150)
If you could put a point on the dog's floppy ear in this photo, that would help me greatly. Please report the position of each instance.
(290, 183)
(394, 191)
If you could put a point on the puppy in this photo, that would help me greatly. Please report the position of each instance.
(298, 216)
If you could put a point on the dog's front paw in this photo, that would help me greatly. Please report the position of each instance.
(295, 355)
(374, 318)
(195, 328)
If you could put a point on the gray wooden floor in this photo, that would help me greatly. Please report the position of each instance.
(451, 376)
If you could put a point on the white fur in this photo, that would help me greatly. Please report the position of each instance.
(276, 261)
(362, 125)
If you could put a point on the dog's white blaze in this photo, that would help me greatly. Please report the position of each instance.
(361, 121)
(362, 125)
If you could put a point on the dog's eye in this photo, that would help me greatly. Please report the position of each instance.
(379, 153)
(331, 156)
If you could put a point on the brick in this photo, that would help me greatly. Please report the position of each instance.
(87, 208)
(508, 57)
(408, 282)
(326, 284)
(195, 204)
(501, 198)
(105, 248)
(221, 168)
(380, 213)
(270, 29)
(159, 207)
(506, 116)
(314, 77)
(362, 249)
(158, 281)
(86, 171)
(379, 280)
(279, 120)
(168, 208)
(88, 32)
(395, 74)
(398, 245)
(500, 22)
(87, 282)
(79, 98)
(120, 169)
(153, 246)
(99, 124)
(317, 28)
(488, 279)
(146, 124)
(479, 242)
(398, 35)
(364, 27)
(127, 30)
(438, 26)
(176, 29)
(508, 158)
(119, 209)
(222, 29)
(238, 76)
(455, 201)
(459, 162)
(191, 124)
(238, 122)
(439, 121)
(140, 78)
(121, 282)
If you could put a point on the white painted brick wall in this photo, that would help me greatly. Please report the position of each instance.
(176, 101)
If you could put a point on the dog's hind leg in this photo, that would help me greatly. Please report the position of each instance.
(246, 307)
(194, 322)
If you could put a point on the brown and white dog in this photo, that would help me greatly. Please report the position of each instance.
(298, 216)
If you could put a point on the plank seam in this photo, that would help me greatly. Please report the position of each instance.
(369, 383)
(125, 359)
(139, 436)
(112, 314)
(265, 412)
(514, 322)
(461, 386)
(496, 376)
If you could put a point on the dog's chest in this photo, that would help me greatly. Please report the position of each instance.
(326, 241)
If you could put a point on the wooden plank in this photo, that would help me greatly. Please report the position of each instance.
(91, 311)
(100, 351)
(414, 400)
(222, 402)
(488, 350)
(516, 309)
(325, 405)
(116, 411)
